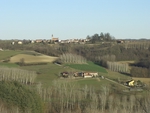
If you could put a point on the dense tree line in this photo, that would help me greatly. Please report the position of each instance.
(137, 45)
(67, 97)
(145, 63)
(140, 72)
(119, 67)
(141, 68)
(99, 38)
(97, 51)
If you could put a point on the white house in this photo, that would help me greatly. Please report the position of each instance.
(20, 42)
(90, 74)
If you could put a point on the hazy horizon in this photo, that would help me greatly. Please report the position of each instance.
(67, 19)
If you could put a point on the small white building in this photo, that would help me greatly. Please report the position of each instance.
(32, 41)
(90, 74)
(19, 42)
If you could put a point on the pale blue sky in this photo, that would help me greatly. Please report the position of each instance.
(39, 19)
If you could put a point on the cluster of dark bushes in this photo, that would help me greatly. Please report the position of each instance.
(140, 72)
(18, 98)
(100, 37)
(145, 63)
(141, 68)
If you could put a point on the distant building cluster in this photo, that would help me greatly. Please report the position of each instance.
(74, 41)
(79, 74)
(54, 40)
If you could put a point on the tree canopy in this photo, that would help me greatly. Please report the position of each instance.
(100, 37)
(14, 93)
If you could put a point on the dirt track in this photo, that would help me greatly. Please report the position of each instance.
(117, 83)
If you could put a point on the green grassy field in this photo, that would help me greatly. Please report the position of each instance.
(50, 72)
(9, 53)
(8, 65)
(47, 73)
(90, 66)
(115, 75)
(96, 82)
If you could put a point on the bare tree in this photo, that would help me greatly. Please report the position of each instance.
(72, 58)
(13, 74)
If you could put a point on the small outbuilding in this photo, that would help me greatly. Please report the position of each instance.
(20, 42)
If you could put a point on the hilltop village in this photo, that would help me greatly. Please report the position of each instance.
(53, 40)
(62, 76)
